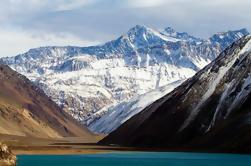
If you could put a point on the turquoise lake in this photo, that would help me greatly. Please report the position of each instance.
(136, 159)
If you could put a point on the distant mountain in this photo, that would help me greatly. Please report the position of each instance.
(84, 80)
(225, 39)
(25, 110)
(210, 111)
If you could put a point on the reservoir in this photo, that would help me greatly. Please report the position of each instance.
(137, 159)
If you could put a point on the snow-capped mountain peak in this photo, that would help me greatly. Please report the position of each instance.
(224, 38)
(182, 36)
(142, 36)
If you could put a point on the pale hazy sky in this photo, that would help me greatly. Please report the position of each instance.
(26, 24)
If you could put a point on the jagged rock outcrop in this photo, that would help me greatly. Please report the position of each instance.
(7, 158)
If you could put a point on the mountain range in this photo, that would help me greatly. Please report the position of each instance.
(210, 110)
(91, 82)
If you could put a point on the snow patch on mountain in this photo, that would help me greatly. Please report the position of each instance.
(120, 113)
(247, 48)
(215, 79)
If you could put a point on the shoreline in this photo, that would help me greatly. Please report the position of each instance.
(66, 150)
(78, 145)
(97, 149)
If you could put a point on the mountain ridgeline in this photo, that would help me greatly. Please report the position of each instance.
(210, 111)
(87, 81)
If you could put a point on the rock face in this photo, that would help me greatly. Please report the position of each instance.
(84, 80)
(25, 110)
(6, 157)
(210, 111)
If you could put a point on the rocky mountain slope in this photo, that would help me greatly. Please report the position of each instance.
(120, 113)
(6, 157)
(84, 80)
(209, 111)
(25, 110)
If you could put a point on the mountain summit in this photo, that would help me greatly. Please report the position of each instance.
(183, 36)
(224, 38)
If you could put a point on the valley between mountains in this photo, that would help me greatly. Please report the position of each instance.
(148, 89)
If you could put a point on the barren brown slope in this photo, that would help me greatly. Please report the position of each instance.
(26, 111)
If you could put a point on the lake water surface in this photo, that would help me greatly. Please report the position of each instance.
(136, 159)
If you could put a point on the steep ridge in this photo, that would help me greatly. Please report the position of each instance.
(84, 80)
(25, 110)
(210, 111)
